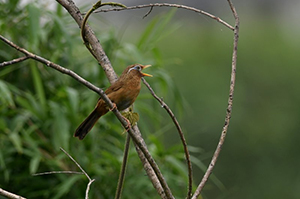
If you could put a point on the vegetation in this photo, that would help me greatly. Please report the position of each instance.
(40, 108)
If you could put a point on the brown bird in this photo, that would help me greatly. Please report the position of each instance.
(122, 93)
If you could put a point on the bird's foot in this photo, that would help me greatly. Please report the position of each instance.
(131, 119)
(128, 124)
(114, 107)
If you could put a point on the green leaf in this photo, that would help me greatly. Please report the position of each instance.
(38, 85)
(5, 95)
(213, 177)
(17, 142)
(60, 127)
(34, 164)
(73, 99)
(178, 165)
(147, 32)
(34, 26)
(66, 186)
(155, 31)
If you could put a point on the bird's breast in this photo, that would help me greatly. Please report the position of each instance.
(127, 97)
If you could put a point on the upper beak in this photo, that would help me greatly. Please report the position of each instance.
(145, 74)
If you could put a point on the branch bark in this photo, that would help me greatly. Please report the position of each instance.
(10, 195)
(14, 61)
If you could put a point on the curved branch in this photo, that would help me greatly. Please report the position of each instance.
(187, 154)
(229, 107)
(85, 19)
(92, 39)
(218, 19)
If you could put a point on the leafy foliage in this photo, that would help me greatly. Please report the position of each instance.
(40, 109)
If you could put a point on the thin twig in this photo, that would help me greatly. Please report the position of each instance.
(72, 172)
(88, 189)
(78, 165)
(123, 168)
(218, 19)
(57, 172)
(83, 171)
(10, 195)
(229, 107)
(187, 154)
(14, 61)
(85, 19)
(146, 15)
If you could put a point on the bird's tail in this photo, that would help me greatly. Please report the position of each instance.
(87, 124)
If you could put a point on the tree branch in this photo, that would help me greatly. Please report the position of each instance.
(14, 61)
(99, 53)
(72, 172)
(56, 172)
(148, 168)
(229, 107)
(218, 19)
(10, 195)
(123, 168)
(186, 151)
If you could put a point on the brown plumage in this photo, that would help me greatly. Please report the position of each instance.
(123, 93)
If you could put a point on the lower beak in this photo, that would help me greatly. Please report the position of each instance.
(145, 74)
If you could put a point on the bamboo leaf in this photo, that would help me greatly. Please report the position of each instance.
(34, 163)
(34, 26)
(5, 95)
(39, 87)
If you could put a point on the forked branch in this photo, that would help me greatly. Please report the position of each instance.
(72, 172)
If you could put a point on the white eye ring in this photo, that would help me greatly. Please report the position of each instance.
(137, 67)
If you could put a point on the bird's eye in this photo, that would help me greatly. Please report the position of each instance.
(138, 67)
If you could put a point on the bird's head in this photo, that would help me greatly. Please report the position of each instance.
(137, 69)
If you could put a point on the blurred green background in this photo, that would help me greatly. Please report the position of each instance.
(191, 57)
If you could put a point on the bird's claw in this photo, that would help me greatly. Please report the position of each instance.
(128, 124)
(113, 108)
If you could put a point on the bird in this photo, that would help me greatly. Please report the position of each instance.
(122, 93)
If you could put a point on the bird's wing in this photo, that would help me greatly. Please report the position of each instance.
(114, 87)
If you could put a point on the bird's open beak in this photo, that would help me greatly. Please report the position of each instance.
(145, 74)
